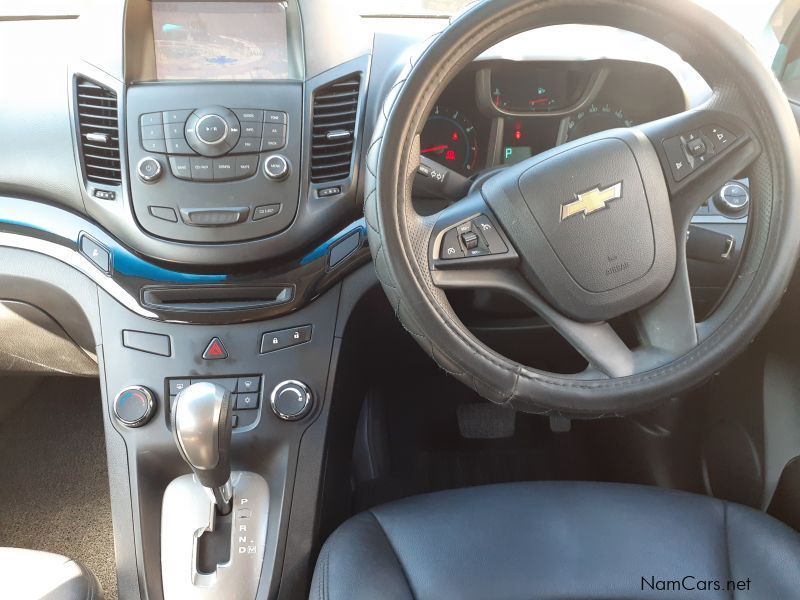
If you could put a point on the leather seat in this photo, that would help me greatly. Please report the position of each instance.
(558, 540)
(34, 575)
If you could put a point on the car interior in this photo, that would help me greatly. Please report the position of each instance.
(413, 299)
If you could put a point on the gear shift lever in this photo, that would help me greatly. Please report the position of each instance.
(201, 425)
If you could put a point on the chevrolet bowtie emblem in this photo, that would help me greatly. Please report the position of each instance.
(591, 201)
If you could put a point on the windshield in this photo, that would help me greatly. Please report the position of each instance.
(747, 16)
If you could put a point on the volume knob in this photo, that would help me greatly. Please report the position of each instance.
(276, 167)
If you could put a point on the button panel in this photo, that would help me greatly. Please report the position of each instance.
(688, 152)
(234, 178)
(245, 392)
(476, 237)
(212, 133)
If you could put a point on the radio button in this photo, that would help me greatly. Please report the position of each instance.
(164, 213)
(159, 146)
(153, 132)
(252, 129)
(246, 166)
(181, 167)
(247, 145)
(173, 131)
(202, 169)
(224, 169)
(211, 129)
(178, 147)
(274, 116)
(249, 114)
(176, 116)
(266, 211)
(148, 119)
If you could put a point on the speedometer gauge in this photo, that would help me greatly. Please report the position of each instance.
(450, 139)
(594, 119)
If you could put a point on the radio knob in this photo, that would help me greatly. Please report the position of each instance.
(211, 129)
(149, 169)
(276, 167)
(134, 406)
(291, 400)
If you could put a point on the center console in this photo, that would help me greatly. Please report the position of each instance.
(218, 174)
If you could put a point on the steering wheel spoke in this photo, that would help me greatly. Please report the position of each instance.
(467, 245)
(700, 151)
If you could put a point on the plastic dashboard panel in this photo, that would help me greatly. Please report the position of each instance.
(57, 233)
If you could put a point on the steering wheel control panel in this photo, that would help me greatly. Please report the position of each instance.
(473, 238)
(215, 173)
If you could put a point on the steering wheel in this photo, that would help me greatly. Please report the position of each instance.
(596, 228)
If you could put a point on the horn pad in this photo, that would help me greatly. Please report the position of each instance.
(592, 224)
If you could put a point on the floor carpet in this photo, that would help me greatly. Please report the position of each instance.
(53, 481)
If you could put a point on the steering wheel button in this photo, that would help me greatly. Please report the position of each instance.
(470, 240)
(679, 163)
(720, 137)
(696, 147)
(451, 248)
(486, 228)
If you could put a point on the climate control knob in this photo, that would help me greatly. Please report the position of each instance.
(276, 167)
(134, 406)
(291, 400)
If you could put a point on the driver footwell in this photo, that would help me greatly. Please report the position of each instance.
(54, 493)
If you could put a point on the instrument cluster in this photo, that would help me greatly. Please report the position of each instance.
(501, 112)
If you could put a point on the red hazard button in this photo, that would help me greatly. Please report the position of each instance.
(215, 350)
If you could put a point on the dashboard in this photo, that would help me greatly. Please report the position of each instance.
(501, 112)
(182, 193)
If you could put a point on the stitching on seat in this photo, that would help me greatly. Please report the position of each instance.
(394, 551)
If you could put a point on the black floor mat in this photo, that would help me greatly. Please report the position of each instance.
(54, 494)
(427, 452)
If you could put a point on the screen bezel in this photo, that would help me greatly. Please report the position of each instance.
(140, 50)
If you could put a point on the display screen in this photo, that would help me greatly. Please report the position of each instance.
(220, 40)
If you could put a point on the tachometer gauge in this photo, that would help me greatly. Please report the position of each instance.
(594, 119)
(450, 139)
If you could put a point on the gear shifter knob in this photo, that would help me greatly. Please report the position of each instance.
(201, 425)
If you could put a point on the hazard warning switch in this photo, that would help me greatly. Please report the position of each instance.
(215, 350)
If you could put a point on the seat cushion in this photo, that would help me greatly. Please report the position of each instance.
(559, 540)
(34, 575)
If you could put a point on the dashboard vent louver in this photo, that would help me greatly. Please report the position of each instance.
(334, 128)
(98, 130)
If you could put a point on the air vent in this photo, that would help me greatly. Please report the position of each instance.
(334, 119)
(98, 130)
